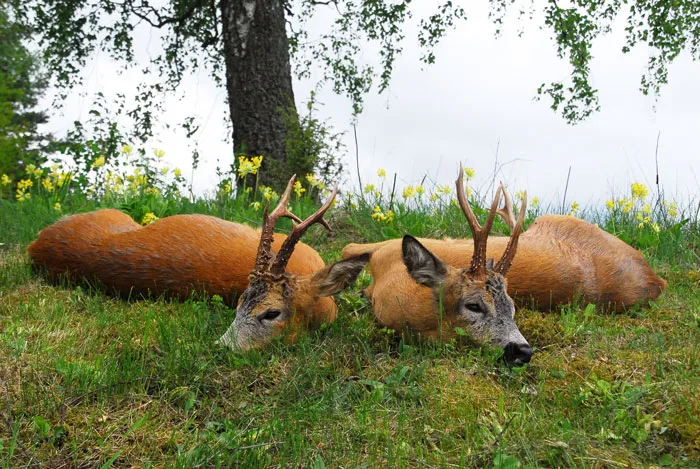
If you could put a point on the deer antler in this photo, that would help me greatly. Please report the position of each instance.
(285, 252)
(506, 212)
(480, 234)
(265, 254)
(515, 230)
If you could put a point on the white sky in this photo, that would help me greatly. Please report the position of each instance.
(477, 97)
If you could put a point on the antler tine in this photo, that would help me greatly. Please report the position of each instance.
(265, 254)
(509, 254)
(298, 231)
(506, 212)
(479, 233)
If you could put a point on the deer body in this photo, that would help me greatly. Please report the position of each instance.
(559, 259)
(174, 256)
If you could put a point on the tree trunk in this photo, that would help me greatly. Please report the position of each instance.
(258, 82)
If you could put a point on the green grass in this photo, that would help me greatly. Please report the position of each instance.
(88, 380)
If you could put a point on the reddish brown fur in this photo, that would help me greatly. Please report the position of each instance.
(559, 258)
(174, 256)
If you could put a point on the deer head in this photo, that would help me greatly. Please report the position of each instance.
(276, 300)
(474, 298)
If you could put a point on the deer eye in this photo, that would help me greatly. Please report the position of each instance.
(476, 307)
(270, 315)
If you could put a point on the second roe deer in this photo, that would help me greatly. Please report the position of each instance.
(181, 254)
(560, 259)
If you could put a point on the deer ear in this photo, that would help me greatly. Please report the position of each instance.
(337, 277)
(423, 265)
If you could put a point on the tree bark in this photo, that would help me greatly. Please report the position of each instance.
(258, 82)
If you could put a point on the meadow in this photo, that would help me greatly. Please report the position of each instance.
(88, 380)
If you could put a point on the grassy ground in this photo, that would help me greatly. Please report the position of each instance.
(87, 380)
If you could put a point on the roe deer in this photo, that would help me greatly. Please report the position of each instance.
(415, 290)
(178, 255)
(560, 258)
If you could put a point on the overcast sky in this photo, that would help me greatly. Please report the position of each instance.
(476, 99)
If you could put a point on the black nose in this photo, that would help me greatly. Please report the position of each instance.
(517, 353)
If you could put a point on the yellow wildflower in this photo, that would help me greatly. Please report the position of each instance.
(380, 216)
(655, 226)
(639, 191)
(177, 172)
(447, 190)
(25, 184)
(646, 208)
(6, 181)
(99, 162)
(639, 217)
(408, 192)
(298, 188)
(369, 188)
(148, 218)
(381, 173)
(673, 209)
(420, 190)
(57, 207)
(574, 208)
(257, 162)
(268, 193)
(248, 166)
(535, 202)
(30, 169)
(48, 185)
(164, 171)
(434, 197)
(127, 149)
(159, 153)
(469, 172)
(520, 195)
(227, 187)
(63, 178)
(610, 204)
(256, 206)
(151, 191)
(311, 178)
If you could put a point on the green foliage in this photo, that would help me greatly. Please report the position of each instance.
(21, 85)
(312, 147)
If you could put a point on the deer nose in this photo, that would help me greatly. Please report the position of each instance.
(517, 353)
